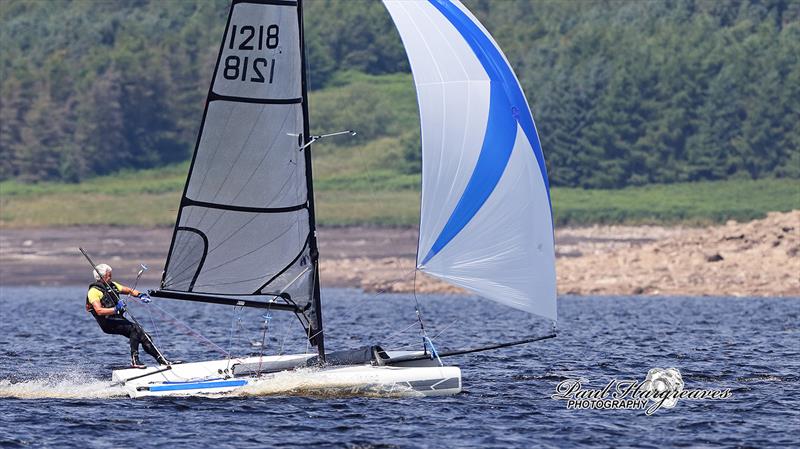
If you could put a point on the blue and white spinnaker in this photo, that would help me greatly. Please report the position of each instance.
(486, 219)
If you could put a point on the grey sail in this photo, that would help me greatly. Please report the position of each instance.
(245, 227)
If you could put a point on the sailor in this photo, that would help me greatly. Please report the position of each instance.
(104, 302)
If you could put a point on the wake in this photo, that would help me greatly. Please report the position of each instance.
(64, 385)
(310, 382)
(304, 382)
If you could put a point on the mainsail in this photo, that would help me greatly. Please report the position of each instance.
(486, 220)
(245, 228)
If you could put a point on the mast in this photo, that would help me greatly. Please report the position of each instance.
(316, 335)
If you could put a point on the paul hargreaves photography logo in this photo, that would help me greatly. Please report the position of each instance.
(661, 388)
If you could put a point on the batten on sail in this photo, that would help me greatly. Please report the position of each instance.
(245, 224)
(486, 221)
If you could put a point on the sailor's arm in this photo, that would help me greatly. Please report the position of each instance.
(103, 311)
(128, 291)
(95, 295)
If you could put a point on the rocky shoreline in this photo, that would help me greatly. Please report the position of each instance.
(758, 258)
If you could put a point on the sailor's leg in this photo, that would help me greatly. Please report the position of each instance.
(121, 326)
(135, 337)
(114, 326)
(149, 346)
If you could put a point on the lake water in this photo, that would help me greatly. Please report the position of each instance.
(55, 368)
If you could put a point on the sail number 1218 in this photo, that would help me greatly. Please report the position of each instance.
(255, 69)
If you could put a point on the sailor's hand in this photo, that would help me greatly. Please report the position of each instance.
(120, 307)
(145, 298)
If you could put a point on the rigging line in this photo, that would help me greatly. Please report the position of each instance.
(383, 291)
(189, 330)
(153, 323)
(285, 336)
(352, 311)
(267, 319)
(359, 303)
(236, 311)
(146, 305)
(445, 328)
(397, 333)
(398, 341)
(419, 313)
(315, 334)
(388, 340)
(286, 323)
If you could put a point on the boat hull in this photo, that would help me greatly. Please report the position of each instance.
(288, 375)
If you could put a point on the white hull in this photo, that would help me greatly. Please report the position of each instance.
(287, 374)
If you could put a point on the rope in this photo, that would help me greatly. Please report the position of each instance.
(391, 336)
(419, 312)
(285, 335)
(152, 322)
(189, 330)
(359, 303)
(412, 345)
(236, 319)
(428, 341)
(445, 328)
(267, 319)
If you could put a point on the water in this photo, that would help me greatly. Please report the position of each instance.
(55, 364)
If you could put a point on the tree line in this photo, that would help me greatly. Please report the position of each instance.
(624, 92)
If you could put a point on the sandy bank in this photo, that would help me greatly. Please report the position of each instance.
(759, 258)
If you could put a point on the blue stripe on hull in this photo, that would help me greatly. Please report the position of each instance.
(197, 385)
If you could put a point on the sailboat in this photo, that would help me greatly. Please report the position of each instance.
(245, 234)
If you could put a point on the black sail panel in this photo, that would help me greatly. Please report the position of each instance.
(244, 226)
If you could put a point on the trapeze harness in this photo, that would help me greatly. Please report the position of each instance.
(109, 299)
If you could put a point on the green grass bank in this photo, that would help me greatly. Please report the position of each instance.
(382, 197)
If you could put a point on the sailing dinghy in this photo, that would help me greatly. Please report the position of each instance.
(245, 232)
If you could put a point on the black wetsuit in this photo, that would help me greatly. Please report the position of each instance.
(117, 324)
